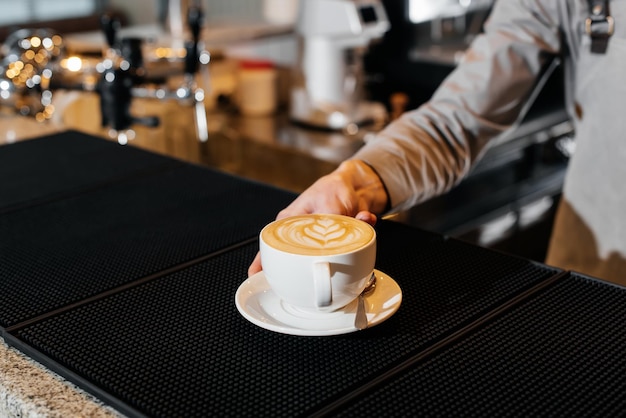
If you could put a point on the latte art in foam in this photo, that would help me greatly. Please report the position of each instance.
(318, 234)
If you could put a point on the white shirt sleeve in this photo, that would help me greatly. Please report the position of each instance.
(429, 150)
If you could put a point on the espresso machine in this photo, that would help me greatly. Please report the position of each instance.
(126, 75)
(35, 63)
(327, 90)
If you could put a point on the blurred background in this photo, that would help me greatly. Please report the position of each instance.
(279, 91)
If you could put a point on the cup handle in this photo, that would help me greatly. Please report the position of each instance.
(322, 284)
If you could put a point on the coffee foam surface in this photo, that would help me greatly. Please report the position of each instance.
(318, 234)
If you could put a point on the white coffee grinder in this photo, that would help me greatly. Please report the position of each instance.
(327, 91)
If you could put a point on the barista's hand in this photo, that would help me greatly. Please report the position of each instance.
(353, 189)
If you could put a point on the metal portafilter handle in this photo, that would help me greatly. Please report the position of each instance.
(195, 18)
(110, 26)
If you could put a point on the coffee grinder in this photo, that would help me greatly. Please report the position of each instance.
(327, 91)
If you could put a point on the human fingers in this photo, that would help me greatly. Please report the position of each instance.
(255, 266)
(367, 216)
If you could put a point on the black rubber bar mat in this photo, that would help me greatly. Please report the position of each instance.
(454, 282)
(558, 353)
(177, 346)
(41, 169)
(67, 250)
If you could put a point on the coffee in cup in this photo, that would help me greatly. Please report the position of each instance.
(318, 262)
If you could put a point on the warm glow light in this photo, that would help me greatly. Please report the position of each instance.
(74, 64)
(48, 111)
(162, 52)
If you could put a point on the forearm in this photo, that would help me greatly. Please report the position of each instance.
(429, 150)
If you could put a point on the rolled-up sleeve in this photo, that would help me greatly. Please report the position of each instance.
(429, 150)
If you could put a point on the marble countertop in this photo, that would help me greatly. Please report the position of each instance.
(27, 389)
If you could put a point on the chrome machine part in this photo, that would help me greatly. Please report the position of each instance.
(28, 60)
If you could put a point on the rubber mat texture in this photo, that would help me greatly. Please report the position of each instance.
(120, 274)
(177, 346)
(70, 249)
(54, 166)
(556, 354)
(452, 283)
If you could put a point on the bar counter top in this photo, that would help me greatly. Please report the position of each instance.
(142, 313)
(27, 389)
(291, 160)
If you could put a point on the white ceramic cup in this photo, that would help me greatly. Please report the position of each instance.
(318, 262)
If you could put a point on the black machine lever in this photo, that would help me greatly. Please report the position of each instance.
(117, 81)
(110, 26)
(195, 18)
(126, 77)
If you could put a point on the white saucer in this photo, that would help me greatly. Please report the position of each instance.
(257, 303)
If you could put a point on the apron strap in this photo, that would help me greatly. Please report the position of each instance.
(599, 25)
